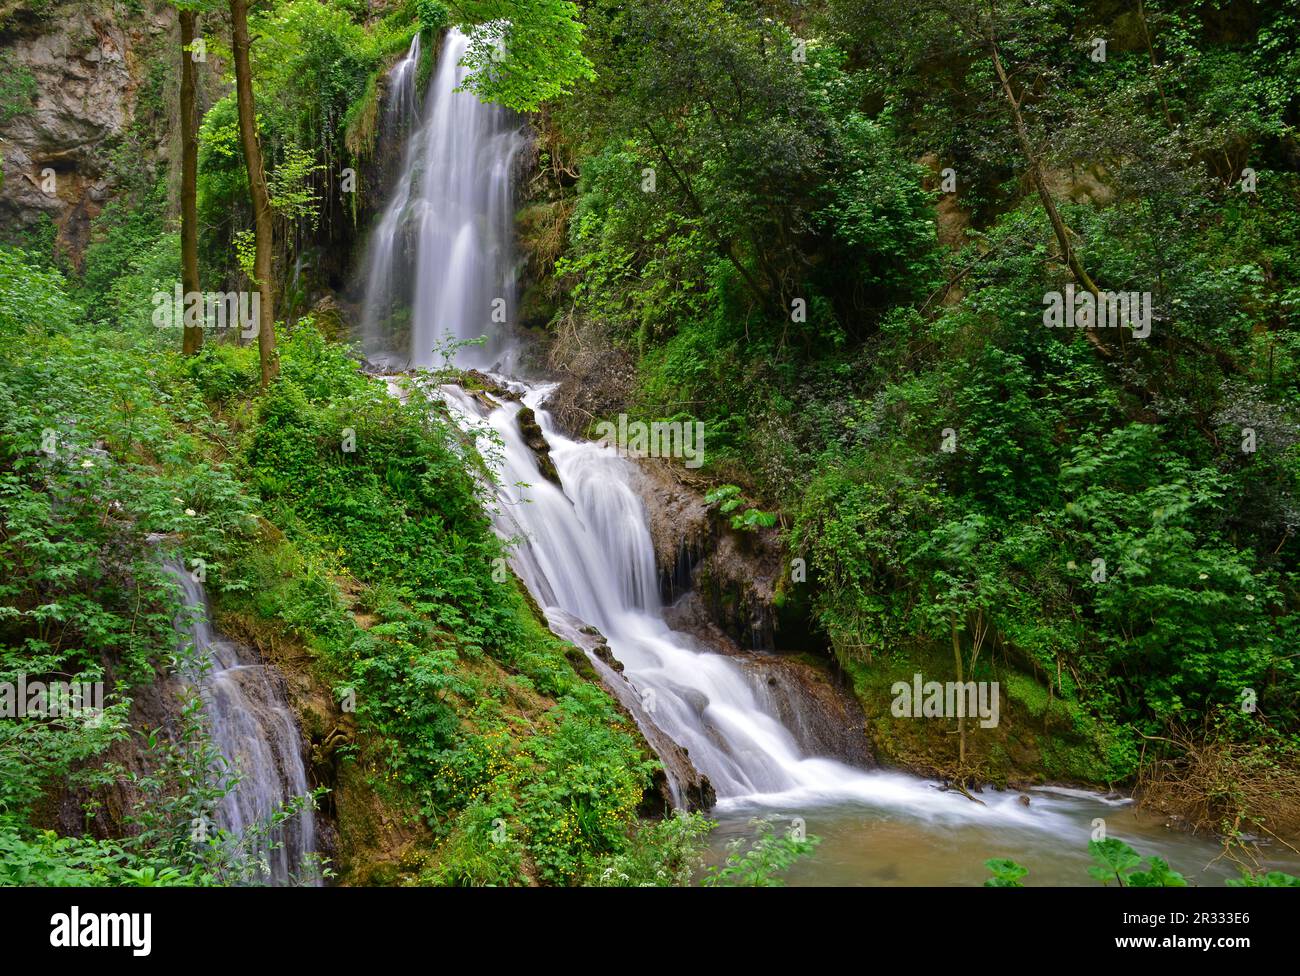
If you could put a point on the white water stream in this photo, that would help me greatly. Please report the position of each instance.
(257, 735)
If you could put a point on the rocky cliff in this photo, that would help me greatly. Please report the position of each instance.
(82, 111)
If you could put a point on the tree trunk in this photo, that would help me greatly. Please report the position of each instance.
(193, 334)
(1049, 204)
(726, 247)
(261, 197)
(961, 712)
(1155, 66)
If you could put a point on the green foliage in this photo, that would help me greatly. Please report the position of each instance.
(522, 52)
(759, 862)
(292, 196)
(664, 854)
(752, 227)
(583, 797)
(104, 448)
(730, 165)
(313, 64)
(481, 852)
(122, 236)
(44, 859)
(1006, 873)
(1264, 879)
(729, 500)
(438, 676)
(1116, 861)
(17, 89)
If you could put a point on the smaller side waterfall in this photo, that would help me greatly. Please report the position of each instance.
(400, 112)
(385, 263)
(256, 733)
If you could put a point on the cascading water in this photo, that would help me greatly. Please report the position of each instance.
(383, 264)
(439, 264)
(585, 552)
(400, 110)
(257, 734)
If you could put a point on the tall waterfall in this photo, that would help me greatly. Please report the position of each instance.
(585, 550)
(256, 733)
(440, 262)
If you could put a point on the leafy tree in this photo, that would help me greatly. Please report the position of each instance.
(523, 52)
(188, 15)
(263, 262)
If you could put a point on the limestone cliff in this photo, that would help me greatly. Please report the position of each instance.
(83, 85)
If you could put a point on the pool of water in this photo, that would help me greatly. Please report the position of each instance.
(914, 833)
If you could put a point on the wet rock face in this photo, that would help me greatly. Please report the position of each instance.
(82, 63)
(157, 705)
(536, 441)
(735, 573)
(805, 694)
(679, 785)
(824, 717)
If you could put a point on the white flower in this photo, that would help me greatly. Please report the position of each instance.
(1203, 576)
(190, 511)
(87, 463)
(1249, 598)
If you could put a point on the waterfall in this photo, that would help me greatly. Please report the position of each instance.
(400, 110)
(381, 262)
(256, 733)
(584, 550)
(440, 263)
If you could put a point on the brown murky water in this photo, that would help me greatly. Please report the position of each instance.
(933, 840)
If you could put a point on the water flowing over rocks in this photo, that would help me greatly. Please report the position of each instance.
(735, 573)
(584, 543)
(257, 734)
(680, 785)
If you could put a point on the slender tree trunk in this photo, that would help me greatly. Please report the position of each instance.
(1049, 204)
(1155, 66)
(726, 247)
(961, 712)
(193, 334)
(261, 197)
